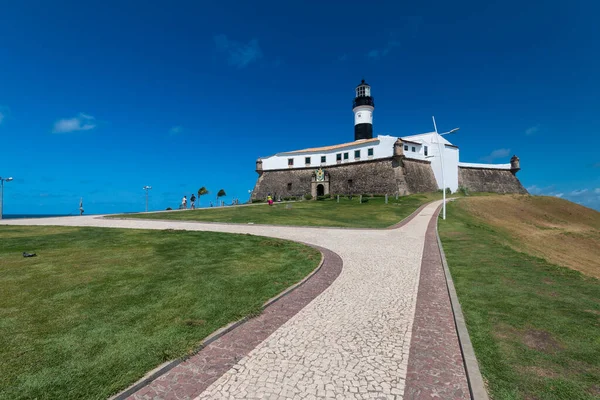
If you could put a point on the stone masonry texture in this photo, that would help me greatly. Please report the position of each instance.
(387, 176)
(489, 180)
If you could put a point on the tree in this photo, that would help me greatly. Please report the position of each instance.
(201, 192)
(221, 194)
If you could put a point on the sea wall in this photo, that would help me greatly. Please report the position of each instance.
(489, 180)
(382, 176)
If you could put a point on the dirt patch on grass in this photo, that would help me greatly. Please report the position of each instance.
(594, 390)
(562, 232)
(539, 371)
(533, 338)
(540, 340)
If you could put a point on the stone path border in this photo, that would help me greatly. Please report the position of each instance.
(475, 380)
(186, 377)
(441, 362)
(435, 365)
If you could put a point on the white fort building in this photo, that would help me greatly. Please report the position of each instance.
(381, 165)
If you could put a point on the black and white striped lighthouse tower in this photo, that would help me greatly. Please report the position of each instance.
(363, 106)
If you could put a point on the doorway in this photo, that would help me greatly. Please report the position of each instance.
(320, 190)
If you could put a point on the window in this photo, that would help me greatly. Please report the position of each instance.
(370, 152)
(323, 159)
(356, 153)
(289, 186)
(405, 147)
(413, 149)
(338, 157)
(307, 160)
(290, 162)
(345, 156)
(426, 151)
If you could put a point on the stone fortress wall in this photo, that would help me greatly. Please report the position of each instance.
(393, 175)
(382, 176)
(489, 180)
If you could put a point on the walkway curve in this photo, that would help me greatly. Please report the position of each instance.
(352, 341)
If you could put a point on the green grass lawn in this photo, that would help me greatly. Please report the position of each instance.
(535, 326)
(347, 213)
(98, 308)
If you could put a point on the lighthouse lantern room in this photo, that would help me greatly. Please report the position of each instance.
(363, 106)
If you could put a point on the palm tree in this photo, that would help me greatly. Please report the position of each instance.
(221, 194)
(201, 192)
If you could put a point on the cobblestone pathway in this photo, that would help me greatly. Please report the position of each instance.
(352, 341)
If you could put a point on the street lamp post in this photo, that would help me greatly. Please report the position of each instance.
(2, 193)
(146, 188)
(439, 137)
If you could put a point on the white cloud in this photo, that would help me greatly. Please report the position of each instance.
(496, 154)
(559, 195)
(82, 122)
(176, 130)
(238, 54)
(375, 54)
(576, 193)
(532, 130)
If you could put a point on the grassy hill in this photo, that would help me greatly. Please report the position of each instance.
(562, 232)
(525, 271)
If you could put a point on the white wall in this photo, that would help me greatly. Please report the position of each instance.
(487, 166)
(383, 148)
(450, 155)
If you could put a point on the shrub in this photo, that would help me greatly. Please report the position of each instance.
(463, 190)
(169, 208)
(448, 191)
(308, 196)
(320, 198)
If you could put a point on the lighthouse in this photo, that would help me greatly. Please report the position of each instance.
(363, 106)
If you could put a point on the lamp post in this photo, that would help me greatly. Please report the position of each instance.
(2, 180)
(438, 137)
(146, 188)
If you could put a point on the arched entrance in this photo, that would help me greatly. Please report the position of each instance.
(320, 190)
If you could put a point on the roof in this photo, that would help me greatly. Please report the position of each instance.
(410, 141)
(421, 135)
(363, 83)
(333, 147)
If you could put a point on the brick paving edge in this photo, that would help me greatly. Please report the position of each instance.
(474, 378)
(169, 365)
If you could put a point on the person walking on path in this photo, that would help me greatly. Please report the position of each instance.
(270, 200)
(193, 202)
(184, 203)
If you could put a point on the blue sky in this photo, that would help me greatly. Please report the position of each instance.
(98, 99)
